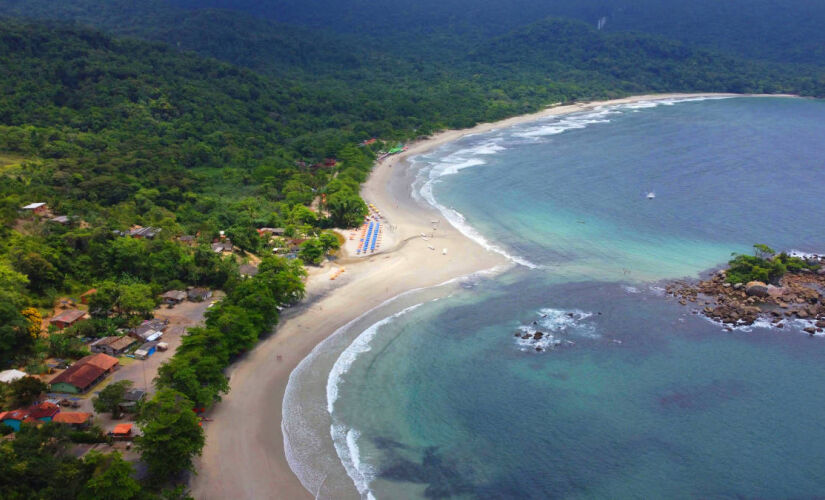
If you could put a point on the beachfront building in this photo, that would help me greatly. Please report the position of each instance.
(173, 297)
(43, 412)
(67, 318)
(113, 346)
(84, 374)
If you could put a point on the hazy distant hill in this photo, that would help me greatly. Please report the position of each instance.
(228, 35)
(779, 30)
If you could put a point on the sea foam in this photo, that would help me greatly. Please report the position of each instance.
(451, 165)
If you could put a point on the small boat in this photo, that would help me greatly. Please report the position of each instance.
(651, 195)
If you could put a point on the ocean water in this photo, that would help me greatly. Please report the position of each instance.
(630, 395)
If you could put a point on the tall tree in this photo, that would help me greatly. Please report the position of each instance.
(172, 435)
(111, 397)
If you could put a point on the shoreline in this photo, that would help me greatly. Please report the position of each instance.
(244, 456)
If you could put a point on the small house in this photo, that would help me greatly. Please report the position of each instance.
(141, 232)
(67, 318)
(146, 350)
(247, 270)
(272, 231)
(75, 419)
(84, 374)
(199, 294)
(61, 219)
(330, 162)
(222, 246)
(39, 208)
(173, 297)
(131, 399)
(84, 297)
(122, 432)
(113, 346)
(43, 412)
(149, 330)
(188, 239)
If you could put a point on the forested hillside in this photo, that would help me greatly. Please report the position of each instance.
(778, 30)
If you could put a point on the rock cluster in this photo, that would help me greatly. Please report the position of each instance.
(798, 295)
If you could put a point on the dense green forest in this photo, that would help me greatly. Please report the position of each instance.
(205, 121)
(777, 30)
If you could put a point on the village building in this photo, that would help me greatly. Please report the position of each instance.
(84, 374)
(113, 346)
(199, 294)
(9, 376)
(67, 318)
(144, 232)
(37, 414)
(188, 239)
(61, 219)
(78, 420)
(173, 297)
(39, 208)
(247, 270)
(122, 432)
(222, 246)
(274, 231)
(149, 330)
(131, 399)
(146, 350)
(84, 297)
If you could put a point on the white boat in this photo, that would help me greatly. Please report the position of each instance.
(651, 195)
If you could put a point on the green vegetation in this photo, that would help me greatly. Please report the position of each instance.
(764, 265)
(171, 434)
(24, 391)
(233, 326)
(111, 397)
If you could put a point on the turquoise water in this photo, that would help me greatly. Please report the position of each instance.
(639, 398)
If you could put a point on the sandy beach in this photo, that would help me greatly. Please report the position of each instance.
(244, 455)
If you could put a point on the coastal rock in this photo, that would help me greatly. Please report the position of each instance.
(756, 289)
(810, 330)
(538, 336)
(802, 314)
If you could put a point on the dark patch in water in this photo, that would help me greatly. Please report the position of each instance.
(383, 443)
(442, 478)
(702, 397)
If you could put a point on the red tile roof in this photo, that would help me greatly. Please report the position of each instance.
(122, 429)
(72, 417)
(43, 410)
(16, 415)
(86, 370)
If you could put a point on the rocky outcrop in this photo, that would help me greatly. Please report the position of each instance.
(796, 296)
